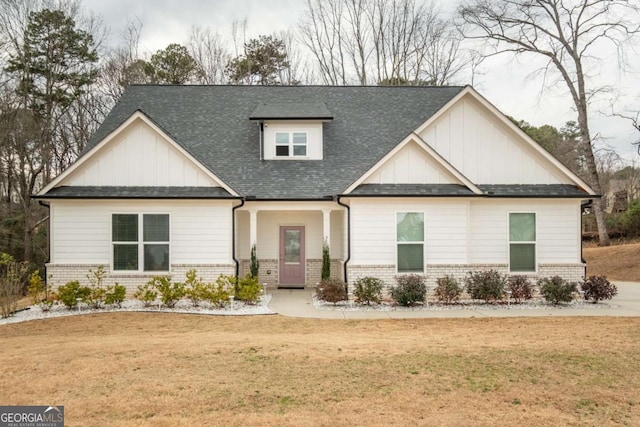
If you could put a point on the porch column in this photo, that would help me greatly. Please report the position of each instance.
(253, 227)
(326, 217)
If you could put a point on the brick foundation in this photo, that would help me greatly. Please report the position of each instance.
(268, 272)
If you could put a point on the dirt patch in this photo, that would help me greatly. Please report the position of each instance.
(620, 262)
(143, 369)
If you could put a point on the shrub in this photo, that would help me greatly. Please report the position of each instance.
(96, 294)
(12, 274)
(448, 289)
(218, 294)
(247, 289)
(411, 290)
(146, 293)
(326, 262)
(37, 288)
(520, 287)
(556, 290)
(71, 292)
(115, 295)
(485, 285)
(170, 292)
(631, 219)
(194, 288)
(598, 288)
(255, 264)
(368, 290)
(332, 290)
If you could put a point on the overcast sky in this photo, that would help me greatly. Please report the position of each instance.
(505, 82)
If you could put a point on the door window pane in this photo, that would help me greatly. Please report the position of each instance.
(410, 258)
(292, 246)
(410, 227)
(522, 227)
(156, 228)
(124, 227)
(522, 257)
(156, 257)
(125, 257)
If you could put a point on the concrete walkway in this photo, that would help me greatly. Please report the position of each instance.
(298, 303)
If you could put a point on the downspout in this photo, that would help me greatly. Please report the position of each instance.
(233, 235)
(261, 124)
(346, 261)
(48, 206)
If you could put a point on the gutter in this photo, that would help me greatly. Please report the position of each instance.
(346, 261)
(233, 235)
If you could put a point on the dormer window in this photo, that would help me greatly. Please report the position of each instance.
(291, 144)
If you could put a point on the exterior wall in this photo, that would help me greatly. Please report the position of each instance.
(59, 274)
(411, 165)
(140, 156)
(200, 233)
(314, 138)
(268, 272)
(485, 150)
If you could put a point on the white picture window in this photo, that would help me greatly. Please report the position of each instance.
(140, 248)
(410, 242)
(291, 144)
(522, 242)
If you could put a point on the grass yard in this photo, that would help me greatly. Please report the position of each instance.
(619, 262)
(137, 369)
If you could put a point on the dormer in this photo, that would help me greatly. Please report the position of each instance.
(291, 131)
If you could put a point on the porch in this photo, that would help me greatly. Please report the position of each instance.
(289, 237)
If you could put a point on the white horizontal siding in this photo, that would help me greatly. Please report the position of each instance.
(557, 230)
(139, 156)
(200, 230)
(485, 150)
(373, 230)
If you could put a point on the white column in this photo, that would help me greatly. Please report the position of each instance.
(253, 227)
(326, 217)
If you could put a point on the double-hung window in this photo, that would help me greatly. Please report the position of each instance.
(140, 242)
(522, 242)
(291, 144)
(410, 242)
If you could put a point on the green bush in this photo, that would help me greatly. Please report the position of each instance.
(598, 288)
(194, 288)
(115, 295)
(71, 292)
(219, 294)
(631, 219)
(96, 295)
(485, 285)
(247, 289)
(326, 262)
(557, 290)
(368, 290)
(520, 287)
(170, 292)
(146, 293)
(255, 264)
(448, 289)
(332, 290)
(411, 290)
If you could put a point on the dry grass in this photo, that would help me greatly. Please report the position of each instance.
(131, 369)
(619, 262)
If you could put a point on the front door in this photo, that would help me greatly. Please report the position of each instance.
(292, 260)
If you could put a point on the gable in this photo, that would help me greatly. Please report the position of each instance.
(411, 165)
(487, 151)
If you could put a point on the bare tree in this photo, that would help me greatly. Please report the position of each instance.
(565, 33)
(210, 53)
(381, 42)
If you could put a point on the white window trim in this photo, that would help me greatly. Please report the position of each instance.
(291, 145)
(424, 242)
(534, 242)
(140, 242)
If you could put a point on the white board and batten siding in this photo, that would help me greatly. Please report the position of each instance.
(485, 150)
(139, 156)
(200, 231)
(465, 231)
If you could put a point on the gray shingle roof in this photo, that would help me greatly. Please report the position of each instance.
(412, 190)
(93, 192)
(540, 190)
(291, 110)
(213, 124)
(455, 190)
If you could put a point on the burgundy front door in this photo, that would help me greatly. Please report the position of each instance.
(292, 260)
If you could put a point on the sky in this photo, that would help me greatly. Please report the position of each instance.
(507, 82)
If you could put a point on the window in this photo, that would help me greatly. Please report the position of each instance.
(291, 144)
(522, 242)
(132, 243)
(410, 242)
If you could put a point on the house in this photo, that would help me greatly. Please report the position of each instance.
(426, 180)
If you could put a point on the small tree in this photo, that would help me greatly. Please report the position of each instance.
(255, 264)
(326, 261)
(12, 274)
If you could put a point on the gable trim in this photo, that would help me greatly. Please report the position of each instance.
(413, 136)
(468, 90)
(137, 115)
